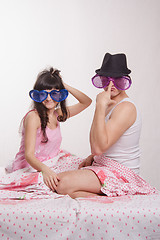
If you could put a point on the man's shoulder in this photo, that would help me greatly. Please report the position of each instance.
(125, 110)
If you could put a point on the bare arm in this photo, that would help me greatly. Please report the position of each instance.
(31, 124)
(83, 101)
(103, 135)
(87, 162)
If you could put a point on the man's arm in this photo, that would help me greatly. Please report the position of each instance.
(103, 135)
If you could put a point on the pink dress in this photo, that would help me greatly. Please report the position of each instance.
(43, 151)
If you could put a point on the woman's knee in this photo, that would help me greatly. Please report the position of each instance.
(64, 186)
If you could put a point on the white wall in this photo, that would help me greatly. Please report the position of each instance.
(73, 36)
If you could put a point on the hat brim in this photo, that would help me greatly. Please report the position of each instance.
(112, 74)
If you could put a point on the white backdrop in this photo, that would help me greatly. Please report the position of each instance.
(73, 36)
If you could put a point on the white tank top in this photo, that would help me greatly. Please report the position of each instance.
(126, 150)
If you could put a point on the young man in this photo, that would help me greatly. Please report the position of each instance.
(112, 168)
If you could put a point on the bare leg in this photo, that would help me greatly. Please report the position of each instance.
(79, 183)
(83, 194)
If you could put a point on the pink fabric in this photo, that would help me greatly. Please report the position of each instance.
(30, 210)
(118, 180)
(43, 151)
(27, 183)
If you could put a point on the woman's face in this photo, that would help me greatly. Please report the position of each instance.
(49, 103)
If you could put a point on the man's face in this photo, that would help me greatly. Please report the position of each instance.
(114, 90)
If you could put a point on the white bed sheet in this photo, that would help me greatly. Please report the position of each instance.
(61, 217)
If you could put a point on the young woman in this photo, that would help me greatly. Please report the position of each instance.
(41, 136)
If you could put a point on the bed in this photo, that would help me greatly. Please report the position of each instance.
(34, 212)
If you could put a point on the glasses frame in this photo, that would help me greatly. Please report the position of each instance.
(53, 91)
(113, 80)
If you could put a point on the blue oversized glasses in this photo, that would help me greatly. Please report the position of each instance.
(40, 96)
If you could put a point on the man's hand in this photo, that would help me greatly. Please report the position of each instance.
(87, 162)
(104, 98)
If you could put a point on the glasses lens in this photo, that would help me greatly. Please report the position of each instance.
(100, 81)
(38, 96)
(122, 83)
(42, 96)
(35, 95)
(55, 95)
(59, 96)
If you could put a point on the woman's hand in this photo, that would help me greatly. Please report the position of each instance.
(50, 178)
(83, 100)
(87, 162)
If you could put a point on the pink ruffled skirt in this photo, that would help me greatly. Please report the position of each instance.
(118, 180)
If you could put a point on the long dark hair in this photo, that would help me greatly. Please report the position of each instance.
(46, 80)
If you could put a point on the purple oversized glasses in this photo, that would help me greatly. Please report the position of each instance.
(121, 83)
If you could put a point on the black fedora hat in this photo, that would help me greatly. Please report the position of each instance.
(114, 66)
